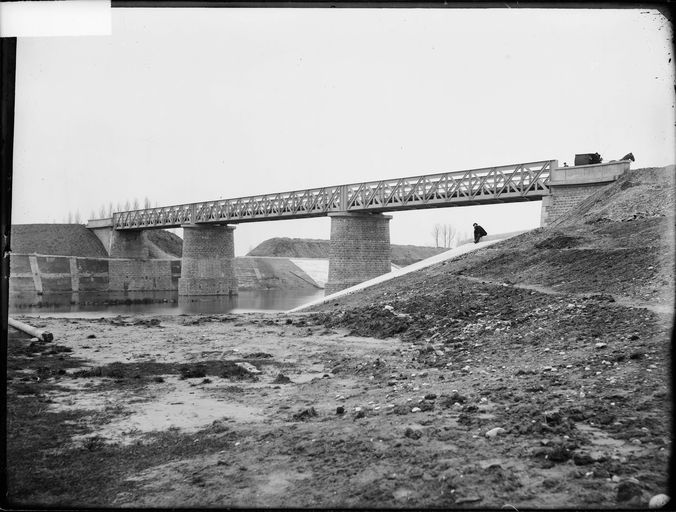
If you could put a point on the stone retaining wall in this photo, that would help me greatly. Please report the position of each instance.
(30, 273)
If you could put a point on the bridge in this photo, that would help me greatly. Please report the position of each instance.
(360, 236)
(517, 182)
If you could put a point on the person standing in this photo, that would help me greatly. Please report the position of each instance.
(478, 232)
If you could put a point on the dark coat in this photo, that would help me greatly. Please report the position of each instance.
(478, 230)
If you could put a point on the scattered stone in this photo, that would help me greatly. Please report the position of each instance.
(601, 473)
(628, 490)
(248, 367)
(658, 501)
(582, 459)
(495, 432)
(601, 345)
(340, 410)
(305, 414)
(91, 336)
(468, 499)
(430, 396)
(412, 433)
(258, 355)
(282, 379)
(416, 409)
(558, 454)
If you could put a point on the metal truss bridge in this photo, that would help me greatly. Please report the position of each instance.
(506, 183)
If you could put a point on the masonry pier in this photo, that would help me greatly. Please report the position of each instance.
(359, 249)
(208, 262)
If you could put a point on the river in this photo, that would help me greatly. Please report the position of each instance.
(97, 304)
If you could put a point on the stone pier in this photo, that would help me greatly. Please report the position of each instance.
(359, 249)
(207, 265)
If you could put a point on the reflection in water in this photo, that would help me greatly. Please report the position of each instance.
(96, 304)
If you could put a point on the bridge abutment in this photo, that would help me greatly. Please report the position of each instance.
(208, 261)
(359, 249)
(128, 244)
(569, 186)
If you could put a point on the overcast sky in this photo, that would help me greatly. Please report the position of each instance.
(184, 105)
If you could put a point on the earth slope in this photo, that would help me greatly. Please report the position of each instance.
(401, 255)
(77, 240)
(56, 239)
(560, 336)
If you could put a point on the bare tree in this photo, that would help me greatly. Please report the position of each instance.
(436, 233)
(102, 211)
(110, 209)
(444, 235)
(70, 218)
(449, 234)
(146, 203)
(127, 205)
(77, 219)
(135, 205)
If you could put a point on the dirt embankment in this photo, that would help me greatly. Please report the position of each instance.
(532, 374)
(56, 239)
(311, 248)
(164, 244)
(77, 240)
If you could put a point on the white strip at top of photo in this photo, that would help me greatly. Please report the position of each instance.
(55, 18)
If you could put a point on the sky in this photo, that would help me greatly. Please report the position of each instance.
(187, 105)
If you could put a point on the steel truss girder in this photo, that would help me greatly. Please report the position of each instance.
(525, 181)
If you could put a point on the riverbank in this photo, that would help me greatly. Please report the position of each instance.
(155, 411)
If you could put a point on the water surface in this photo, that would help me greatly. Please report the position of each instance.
(98, 304)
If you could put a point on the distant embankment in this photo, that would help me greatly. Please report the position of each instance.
(400, 255)
(77, 240)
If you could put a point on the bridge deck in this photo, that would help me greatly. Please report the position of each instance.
(507, 183)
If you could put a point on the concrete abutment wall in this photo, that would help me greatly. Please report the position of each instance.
(359, 249)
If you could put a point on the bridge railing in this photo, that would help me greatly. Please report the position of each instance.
(490, 184)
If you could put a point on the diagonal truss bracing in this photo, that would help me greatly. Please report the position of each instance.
(518, 182)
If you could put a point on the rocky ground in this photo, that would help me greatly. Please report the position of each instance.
(534, 373)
